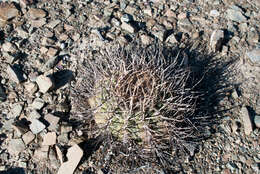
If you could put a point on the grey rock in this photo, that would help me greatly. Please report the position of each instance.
(15, 74)
(248, 127)
(127, 18)
(172, 39)
(44, 83)
(16, 110)
(53, 121)
(128, 27)
(236, 15)
(254, 55)
(34, 115)
(36, 126)
(28, 137)
(214, 13)
(116, 22)
(16, 146)
(38, 103)
(216, 40)
(50, 63)
(63, 138)
(257, 121)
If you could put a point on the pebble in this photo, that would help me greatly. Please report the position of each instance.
(172, 39)
(74, 156)
(16, 146)
(37, 13)
(9, 47)
(248, 127)
(216, 40)
(49, 139)
(36, 126)
(127, 27)
(44, 83)
(254, 56)
(126, 18)
(8, 11)
(16, 110)
(52, 52)
(28, 137)
(257, 121)
(53, 121)
(38, 23)
(53, 24)
(146, 40)
(38, 103)
(30, 87)
(235, 15)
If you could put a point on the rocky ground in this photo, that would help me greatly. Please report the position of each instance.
(42, 43)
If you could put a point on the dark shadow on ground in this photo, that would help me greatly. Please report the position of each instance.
(14, 171)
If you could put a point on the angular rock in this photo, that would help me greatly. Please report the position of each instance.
(37, 13)
(53, 24)
(44, 83)
(236, 15)
(248, 127)
(127, 27)
(49, 139)
(172, 39)
(216, 40)
(36, 126)
(15, 74)
(30, 87)
(16, 146)
(41, 153)
(146, 40)
(257, 121)
(16, 110)
(254, 56)
(34, 115)
(22, 33)
(38, 103)
(38, 23)
(53, 121)
(9, 47)
(7, 11)
(74, 155)
(28, 137)
(52, 52)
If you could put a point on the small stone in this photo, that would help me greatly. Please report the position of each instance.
(53, 121)
(248, 127)
(44, 83)
(38, 23)
(182, 16)
(41, 153)
(216, 40)
(148, 12)
(214, 13)
(16, 110)
(36, 126)
(52, 52)
(127, 27)
(34, 115)
(43, 50)
(146, 40)
(36, 13)
(48, 41)
(63, 138)
(16, 146)
(172, 39)
(28, 137)
(25, 3)
(257, 121)
(53, 24)
(20, 127)
(170, 13)
(9, 47)
(236, 15)
(49, 139)
(160, 34)
(22, 33)
(22, 164)
(15, 74)
(126, 18)
(115, 21)
(74, 156)
(8, 11)
(254, 56)
(38, 103)
(30, 87)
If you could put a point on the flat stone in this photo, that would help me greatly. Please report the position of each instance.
(38, 103)
(9, 47)
(235, 15)
(28, 137)
(127, 27)
(8, 11)
(216, 39)
(53, 121)
(16, 110)
(38, 23)
(257, 121)
(16, 146)
(49, 139)
(74, 156)
(36, 126)
(254, 56)
(52, 52)
(30, 87)
(36, 13)
(34, 115)
(15, 74)
(53, 24)
(248, 127)
(44, 83)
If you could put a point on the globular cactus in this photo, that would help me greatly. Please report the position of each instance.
(140, 99)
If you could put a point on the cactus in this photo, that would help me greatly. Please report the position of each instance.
(140, 99)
